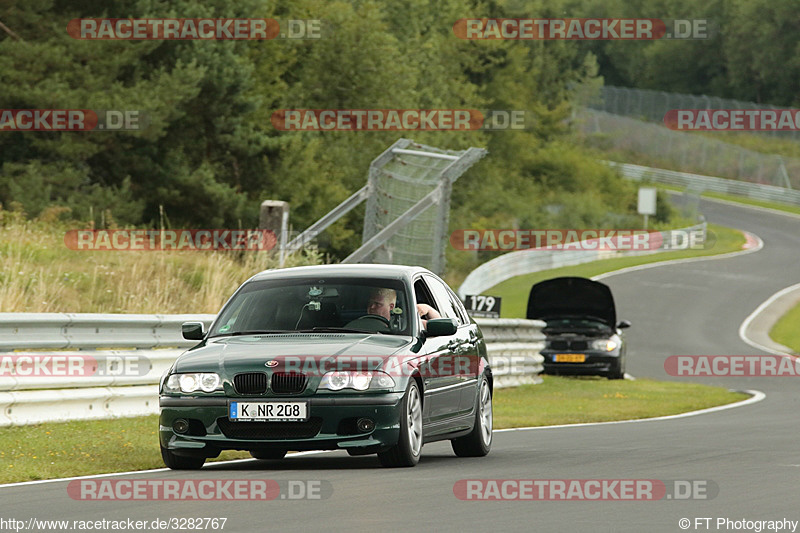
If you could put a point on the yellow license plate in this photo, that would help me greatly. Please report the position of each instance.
(570, 358)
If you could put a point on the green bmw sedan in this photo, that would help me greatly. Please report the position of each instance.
(363, 358)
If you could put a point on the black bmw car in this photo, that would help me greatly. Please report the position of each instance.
(361, 358)
(582, 332)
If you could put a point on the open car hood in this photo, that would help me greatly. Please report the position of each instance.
(572, 297)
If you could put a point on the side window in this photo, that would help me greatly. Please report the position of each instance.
(463, 318)
(442, 296)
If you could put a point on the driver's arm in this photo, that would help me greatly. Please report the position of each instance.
(425, 311)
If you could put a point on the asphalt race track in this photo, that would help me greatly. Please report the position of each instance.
(750, 453)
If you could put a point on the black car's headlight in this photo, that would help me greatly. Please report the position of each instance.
(356, 380)
(198, 381)
(605, 345)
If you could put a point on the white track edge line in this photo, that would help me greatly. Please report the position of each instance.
(747, 321)
(132, 472)
(759, 245)
(755, 397)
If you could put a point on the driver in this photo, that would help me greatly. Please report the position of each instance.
(382, 301)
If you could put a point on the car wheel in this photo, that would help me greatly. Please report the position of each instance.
(267, 455)
(479, 441)
(181, 462)
(618, 372)
(407, 450)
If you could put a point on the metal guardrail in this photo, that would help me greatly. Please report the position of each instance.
(700, 183)
(522, 262)
(513, 345)
(156, 340)
(34, 331)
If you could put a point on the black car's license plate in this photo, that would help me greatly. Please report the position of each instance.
(569, 358)
(268, 411)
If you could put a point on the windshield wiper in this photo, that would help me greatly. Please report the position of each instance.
(251, 332)
(330, 329)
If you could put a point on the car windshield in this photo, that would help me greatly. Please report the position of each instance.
(317, 305)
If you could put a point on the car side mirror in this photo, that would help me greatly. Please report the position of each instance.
(441, 327)
(193, 331)
(623, 324)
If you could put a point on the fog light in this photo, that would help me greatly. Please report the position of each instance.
(365, 424)
(180, 426)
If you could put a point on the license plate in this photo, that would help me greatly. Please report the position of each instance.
(268, 411)
(569, 358)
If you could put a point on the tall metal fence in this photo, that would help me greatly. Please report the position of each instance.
(651, 105)
(404, 185)
(687, 152)
(408, 205)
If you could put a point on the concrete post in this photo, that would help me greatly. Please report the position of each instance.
(274, 216)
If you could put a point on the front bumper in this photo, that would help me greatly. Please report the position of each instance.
(331, 425)
(596, 363)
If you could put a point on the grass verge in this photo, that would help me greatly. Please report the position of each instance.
(568, 400)
(39, 274)
(786, 330)
(515, 291)
(67, 449)
(80, 448)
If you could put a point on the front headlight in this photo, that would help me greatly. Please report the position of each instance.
(187, 383)
(356, 380)
(605, 345)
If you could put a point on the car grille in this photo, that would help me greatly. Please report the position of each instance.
(250, 383)
(288, 382)
(569, 345)
(270, 430)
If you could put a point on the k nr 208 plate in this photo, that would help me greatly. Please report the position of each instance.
(268, 411)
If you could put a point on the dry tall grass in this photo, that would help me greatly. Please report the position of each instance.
(38, 273)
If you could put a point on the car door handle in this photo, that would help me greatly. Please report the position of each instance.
(455, 347)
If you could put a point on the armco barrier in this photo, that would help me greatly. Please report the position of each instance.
(522, 262)
(513, 347)
(699, 183)
(21, 331)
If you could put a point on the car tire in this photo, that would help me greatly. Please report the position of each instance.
(618, 372)
(268, 455)
(479, 441)
(407, 450)
(181, 462)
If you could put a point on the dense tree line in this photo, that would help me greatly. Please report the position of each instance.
(209, 154)
(752, 53)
